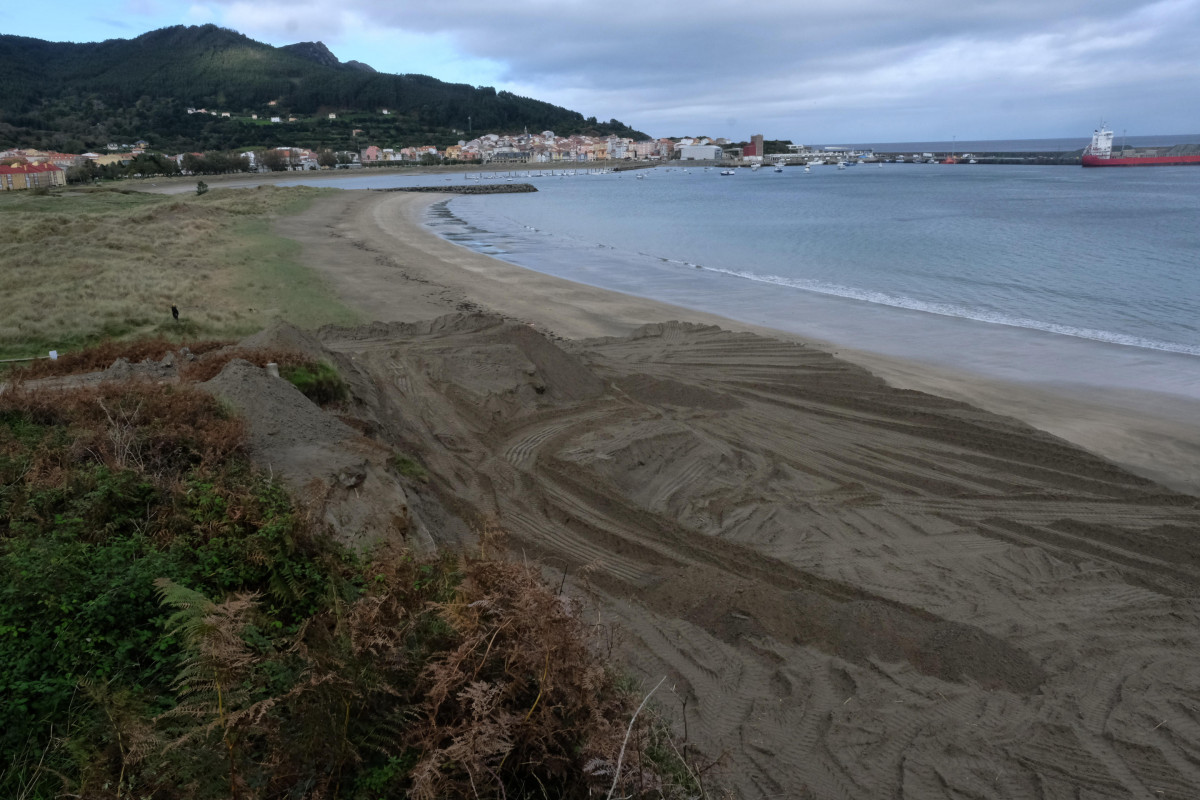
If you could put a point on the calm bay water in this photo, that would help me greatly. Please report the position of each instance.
(1054, 274)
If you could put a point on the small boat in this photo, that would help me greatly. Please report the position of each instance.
(841, 165)
(754, 167)
(779, 167)
(807, 168)
(727, 172)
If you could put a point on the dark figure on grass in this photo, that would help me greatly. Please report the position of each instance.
(175, 313)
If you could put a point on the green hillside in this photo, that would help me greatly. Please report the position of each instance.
(76, 97)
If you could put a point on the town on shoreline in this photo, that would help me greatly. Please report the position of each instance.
(34, 169)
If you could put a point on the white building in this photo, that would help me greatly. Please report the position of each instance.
(700, 152)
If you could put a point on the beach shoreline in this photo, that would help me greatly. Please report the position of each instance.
(182, 184)
(412, 273)
(854, 589)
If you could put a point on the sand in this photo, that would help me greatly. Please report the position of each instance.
(855, 589)
(415, 274)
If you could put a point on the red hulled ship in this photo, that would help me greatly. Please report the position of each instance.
(1099, 154)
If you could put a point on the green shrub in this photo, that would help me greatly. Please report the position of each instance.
(319, 382)
(82, 540)
(409, 468)
(172, 625)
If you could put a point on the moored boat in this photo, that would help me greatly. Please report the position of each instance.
(1099, 154)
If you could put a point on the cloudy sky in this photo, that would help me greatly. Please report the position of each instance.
(818, 72)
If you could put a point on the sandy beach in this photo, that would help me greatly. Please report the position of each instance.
(855, 588)
(416, 274)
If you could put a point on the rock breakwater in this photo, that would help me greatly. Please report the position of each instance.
(481, 188)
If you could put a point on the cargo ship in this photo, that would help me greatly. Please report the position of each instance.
(1099, 154)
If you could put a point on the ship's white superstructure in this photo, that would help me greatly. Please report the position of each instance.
(1101, 146)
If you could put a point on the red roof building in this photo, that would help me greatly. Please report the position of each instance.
(31, 176)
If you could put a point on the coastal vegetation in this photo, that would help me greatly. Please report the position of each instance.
(79, 96)
(174, 625)
(771, 147)
(97, 263)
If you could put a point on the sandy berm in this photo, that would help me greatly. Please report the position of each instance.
(855, 590)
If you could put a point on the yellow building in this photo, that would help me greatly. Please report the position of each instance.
(112, 158)
(31, 176)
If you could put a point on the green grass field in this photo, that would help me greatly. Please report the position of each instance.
(81, 266)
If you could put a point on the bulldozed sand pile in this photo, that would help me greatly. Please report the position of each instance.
(854, 590)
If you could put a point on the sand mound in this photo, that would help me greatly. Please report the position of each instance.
(343, 476)
(856, 591)
(284, 336)
(490, 367)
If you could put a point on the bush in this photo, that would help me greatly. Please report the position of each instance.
(103, 491)
(101, 356)
(318, 381)
(172, 625)
(519, 702)
(409, 468)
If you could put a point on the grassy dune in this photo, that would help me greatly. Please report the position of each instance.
(78, 266)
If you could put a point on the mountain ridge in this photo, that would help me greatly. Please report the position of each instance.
(75, 96)
(318, 53)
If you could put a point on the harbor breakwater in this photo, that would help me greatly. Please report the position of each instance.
(482, 188)
(1042, 157)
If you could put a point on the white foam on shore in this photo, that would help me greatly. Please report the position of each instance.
(988, 344)
(961, 312)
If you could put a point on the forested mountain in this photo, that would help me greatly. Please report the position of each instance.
(76, 97)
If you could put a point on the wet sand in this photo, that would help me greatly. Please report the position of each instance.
(856, 589)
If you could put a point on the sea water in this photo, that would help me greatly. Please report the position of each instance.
(1034, 273)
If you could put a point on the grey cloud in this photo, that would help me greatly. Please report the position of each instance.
(979, 64)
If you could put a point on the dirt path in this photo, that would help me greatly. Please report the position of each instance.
(856, 591)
